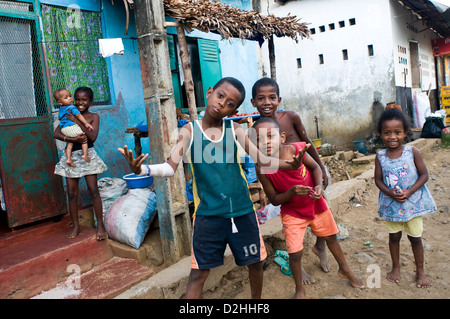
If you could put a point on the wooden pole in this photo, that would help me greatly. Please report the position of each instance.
(188, 81)
(171, 200)
(273, 69)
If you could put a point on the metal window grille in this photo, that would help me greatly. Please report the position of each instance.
(14, 5)
(22, 90)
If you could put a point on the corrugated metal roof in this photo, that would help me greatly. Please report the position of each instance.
(435, 15)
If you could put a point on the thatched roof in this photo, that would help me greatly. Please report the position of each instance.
(211, 15)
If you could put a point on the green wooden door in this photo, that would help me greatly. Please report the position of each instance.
(209, 56)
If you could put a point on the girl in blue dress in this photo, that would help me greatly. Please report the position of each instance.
(401, 174)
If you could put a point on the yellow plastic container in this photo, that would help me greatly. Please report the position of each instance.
(317, 142)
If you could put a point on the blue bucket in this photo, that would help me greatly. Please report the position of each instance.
(361, 146)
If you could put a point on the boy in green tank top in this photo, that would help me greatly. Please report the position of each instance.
(224, 212)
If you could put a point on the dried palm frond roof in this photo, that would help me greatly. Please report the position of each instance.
(211, 15)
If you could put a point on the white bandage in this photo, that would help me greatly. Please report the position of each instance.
(158, 170)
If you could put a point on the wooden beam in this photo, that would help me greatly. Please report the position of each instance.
(273, 68)
(171, 24)
(187, 71)
(188, 81)
(171, 200)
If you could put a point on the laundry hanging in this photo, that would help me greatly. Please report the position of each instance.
(108, 47)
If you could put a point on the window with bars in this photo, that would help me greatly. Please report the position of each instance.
(22, 91)
(71, 42)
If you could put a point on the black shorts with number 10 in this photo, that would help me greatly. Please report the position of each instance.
(211, 235)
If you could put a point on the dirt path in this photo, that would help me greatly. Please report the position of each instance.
(363, 226)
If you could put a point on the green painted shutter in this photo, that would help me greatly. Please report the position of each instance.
(175, 72)
(208, 51)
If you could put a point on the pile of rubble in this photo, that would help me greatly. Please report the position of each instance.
(341, 164)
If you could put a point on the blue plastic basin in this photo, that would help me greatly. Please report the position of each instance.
(135, 181)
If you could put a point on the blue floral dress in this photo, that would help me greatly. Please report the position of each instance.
(402, 172)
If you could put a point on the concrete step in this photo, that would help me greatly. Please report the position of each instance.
(32, 232)
(36, 260)
(102, 282)
(364, 159)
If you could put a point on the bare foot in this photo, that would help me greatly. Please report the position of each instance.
(355, 282)
(306, 278)
(74, 233)
(86, 158)
(394, 276)
(322, 254)
(101, 233)
(422, 281)
(70, 163)
(300, 293)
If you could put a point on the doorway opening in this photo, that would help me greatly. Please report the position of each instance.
(415, 64)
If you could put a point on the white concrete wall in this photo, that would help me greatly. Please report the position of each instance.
(406, 28)
(342, 93)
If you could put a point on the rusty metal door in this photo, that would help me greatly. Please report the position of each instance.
(27, 148)
(27, 161)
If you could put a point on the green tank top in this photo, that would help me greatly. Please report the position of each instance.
(219, 184)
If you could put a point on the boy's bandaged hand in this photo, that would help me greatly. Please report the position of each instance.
(158, 170)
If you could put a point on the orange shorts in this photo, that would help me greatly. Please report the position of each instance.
(294, 229)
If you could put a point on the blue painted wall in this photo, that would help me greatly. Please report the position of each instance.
(128, 97)
(127, 100)
(238, 59)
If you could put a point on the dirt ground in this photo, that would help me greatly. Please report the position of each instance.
(369, 261)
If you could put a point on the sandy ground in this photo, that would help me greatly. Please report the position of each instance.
(370, 264)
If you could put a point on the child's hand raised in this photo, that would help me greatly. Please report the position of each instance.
(296, 161)
(134, 163)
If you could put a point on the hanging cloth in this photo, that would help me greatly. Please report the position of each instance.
(108, 47)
